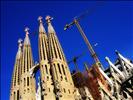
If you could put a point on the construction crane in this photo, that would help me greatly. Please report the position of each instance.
(74, 60)
(76, 22)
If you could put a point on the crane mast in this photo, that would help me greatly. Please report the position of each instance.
(93, 54)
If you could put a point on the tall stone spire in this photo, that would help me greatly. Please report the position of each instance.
(46, 78)
(64, 87)
(14, 92)
(27, 85)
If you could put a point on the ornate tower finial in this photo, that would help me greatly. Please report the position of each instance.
(48, 18)
(19, 48)
(40, 19)
(50, 27)
(27, 30)
(20, 42)
(41, 27)
(26, 40)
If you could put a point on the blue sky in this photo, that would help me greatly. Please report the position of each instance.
(110, 25)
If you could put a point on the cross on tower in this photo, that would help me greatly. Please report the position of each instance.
(20, 42)
(26, 30)
(48, 18)
(40, 19)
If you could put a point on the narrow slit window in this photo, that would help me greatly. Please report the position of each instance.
(64, 90)
(46, 69)
(54, 47)
(27, 81)
(43, 45)
(63, 70)
(14, 95)
(24, 82)
(59, 68)
(17, 94)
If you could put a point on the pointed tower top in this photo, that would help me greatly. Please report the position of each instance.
(50, 27)
(40, 19)
(48, 18)
(20, 42)
(26, 30)
(19, 49)
(26, 40)
(41, 27)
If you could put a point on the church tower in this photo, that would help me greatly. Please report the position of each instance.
(27, 84)
(64, 87)
(46, 78)
(14, 92)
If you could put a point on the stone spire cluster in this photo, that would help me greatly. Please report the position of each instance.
(23, 84)
(46, 76)
(56, 81)
(55, 75)
(55, 78)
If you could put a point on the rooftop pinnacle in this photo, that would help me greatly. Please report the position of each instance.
(50, 27)
(19, 49)
(20, 43)
(27, 40)
(41, 27)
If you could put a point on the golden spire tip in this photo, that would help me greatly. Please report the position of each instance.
(40, 19)
(26, 30)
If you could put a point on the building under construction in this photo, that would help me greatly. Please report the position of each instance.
(56, 81)
(98, 84)
(114, 83)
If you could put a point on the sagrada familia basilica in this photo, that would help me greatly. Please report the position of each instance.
(56, 82)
